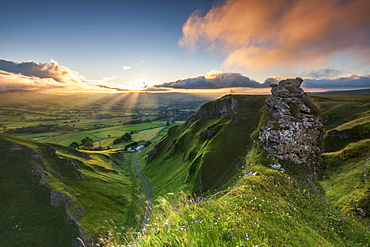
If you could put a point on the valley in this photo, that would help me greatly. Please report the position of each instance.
(211, 181)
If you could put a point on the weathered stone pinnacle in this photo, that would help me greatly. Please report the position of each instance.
(293, 131)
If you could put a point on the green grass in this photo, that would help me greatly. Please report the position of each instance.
(346, 177)
(39, 136)
(345, 118)
(353, 123)
(336, 112)
(145, 135)
(120, 130)
(100, 136)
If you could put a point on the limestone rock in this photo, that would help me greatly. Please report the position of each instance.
(294, 132)
(57, 198)
(226, 105)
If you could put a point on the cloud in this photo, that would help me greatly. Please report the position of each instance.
(322, 73)
(213, 80)
(126, 67)
(40, 76)
(260, 34)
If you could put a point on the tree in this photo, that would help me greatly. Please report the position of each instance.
(128, 136)
(83, 141)
(74, 145)
(87, 142)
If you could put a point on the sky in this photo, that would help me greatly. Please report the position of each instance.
(183, 45)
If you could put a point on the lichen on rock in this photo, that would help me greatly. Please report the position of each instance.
(293, 132)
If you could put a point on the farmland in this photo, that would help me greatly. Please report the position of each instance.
(63, 119)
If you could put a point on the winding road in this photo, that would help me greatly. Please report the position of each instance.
(149, 195)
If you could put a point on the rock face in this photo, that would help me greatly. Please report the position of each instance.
(294, 131)
(226, 105)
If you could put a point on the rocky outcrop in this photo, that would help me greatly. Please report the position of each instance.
(293, 132)
(216, 109)
(120, 156)
(152, 154)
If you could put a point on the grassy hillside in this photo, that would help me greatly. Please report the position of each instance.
(182, 161)
(52, 195)
(264, 201)
(349, 92)
(345, 117)
(346, 177)
(345, 165)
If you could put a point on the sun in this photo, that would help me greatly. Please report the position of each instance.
(140, 84)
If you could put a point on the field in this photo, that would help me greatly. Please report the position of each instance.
(63, 119)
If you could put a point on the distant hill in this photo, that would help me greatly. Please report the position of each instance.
(23, 97)
(359, 92)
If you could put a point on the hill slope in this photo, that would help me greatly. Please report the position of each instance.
(57, 196)
(346, 119)
(215, 139)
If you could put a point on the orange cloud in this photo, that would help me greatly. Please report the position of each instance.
(260, 34)
(41, 76)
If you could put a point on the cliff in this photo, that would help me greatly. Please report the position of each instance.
(216, 109)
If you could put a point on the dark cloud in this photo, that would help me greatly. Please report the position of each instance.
(322, 73)
(214, 80)
(350, 81)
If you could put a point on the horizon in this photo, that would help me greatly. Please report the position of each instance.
(194, 46)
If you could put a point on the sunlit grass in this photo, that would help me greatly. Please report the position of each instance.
(264, 208)
(145, 135)
(353, 123)
(346, 176)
